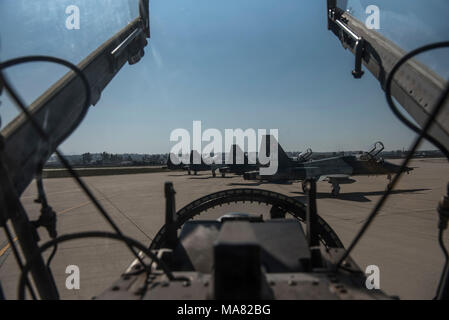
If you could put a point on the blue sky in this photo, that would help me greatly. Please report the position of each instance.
(231, 64)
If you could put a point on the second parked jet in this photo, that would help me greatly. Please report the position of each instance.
(335, 170)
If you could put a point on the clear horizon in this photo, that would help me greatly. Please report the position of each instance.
(288, 151)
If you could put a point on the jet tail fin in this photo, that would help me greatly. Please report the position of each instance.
(195, 157)
(170, 164)
(237, 154)
(283, 159)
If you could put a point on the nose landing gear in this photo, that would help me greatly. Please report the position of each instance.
(389, 181)
(335, 189)
(304, 186)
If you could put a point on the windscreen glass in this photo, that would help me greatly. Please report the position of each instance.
(67, 29)
(214, 74)
(409, 24)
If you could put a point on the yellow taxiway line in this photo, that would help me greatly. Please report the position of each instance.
(5, 248)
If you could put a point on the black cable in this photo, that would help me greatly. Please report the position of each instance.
(422, 134)
(52, 255)
(18, 259)
(21, 104)
(446, 256)
(50, 225)
(41, 131)
(41, 197)
(90, 234)
(409, 124)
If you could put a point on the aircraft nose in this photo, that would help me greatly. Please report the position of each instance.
(396, 168)
(406, 169)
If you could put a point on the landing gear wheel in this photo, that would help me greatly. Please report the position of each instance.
(335, 191)
(195, 172)
(389, 181)
(223, 175)
(284, 203)
(189, 173)
(304, 187)
(214, 174)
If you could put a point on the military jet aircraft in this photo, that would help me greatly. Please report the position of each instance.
(232, 258)
(203, 166)
(239, 164)
(335, 170)
(171, 166)
(191, 166)
(235, 166)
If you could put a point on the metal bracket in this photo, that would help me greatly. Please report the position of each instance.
(416, 87)
(359, 47)
(346, 35)
(132, 46)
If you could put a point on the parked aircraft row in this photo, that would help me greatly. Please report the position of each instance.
(335, 170)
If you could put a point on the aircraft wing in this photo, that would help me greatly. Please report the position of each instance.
(305, 172)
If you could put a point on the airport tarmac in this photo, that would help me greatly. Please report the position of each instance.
(402, 241)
